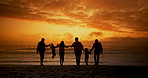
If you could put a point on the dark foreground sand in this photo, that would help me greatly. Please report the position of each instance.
(72, 71)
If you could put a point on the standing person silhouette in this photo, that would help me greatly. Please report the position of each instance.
(41, 50)
(86, 55)
(62, 51)
(98, 50)
(78, 47)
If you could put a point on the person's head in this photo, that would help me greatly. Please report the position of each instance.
(43, 39)
(62, 43)
(86, 49)
(96, 40)
(51, 45)
(76, 39)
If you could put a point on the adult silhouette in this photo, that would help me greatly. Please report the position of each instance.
(41, 50)
(98, 50)
(62, 51)
(78, 47)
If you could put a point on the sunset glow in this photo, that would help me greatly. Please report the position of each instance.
(27, 21)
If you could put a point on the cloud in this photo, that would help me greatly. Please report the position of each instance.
(106, 15)
(68, 35)
(55, 5)
(39, 35)
(132, 41)
(95, 34)
(64, 36)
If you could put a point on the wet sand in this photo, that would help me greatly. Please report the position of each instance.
(72, 71)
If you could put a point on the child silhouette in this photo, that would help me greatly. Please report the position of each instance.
(53, 50)
(86, 55)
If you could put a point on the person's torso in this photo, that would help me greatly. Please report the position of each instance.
(77, 46)
(41, 46)
(86, 53)
(97, 46)
(61, 48)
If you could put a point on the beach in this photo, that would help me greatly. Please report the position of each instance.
(26, 55)
(72, 71)
(23, 62)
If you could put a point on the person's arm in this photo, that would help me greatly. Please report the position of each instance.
(47, 45)
(92, 48)
(101, 48)
(82, 47)
(66, 46)
(72, 45)
(37, 49)
(89, 52)
(57, 45)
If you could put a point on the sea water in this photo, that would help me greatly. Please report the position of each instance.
(26, 55)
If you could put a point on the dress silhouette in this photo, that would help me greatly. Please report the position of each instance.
(41, 49)
(78, 47)
(98, 50)
(62, 52)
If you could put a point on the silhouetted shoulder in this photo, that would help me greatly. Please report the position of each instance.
(73, 44)
(61, 45)
(76, 43)
(96, 44)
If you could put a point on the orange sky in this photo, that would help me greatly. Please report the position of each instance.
(27, 21)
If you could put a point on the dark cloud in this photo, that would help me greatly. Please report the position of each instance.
(55, 5)
(107, 15)
(115, 4)
(126, 44)
(132, 41)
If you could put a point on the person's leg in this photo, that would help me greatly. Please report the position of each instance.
(62, 59)
(53, 54)
(41, 57)
(76, 61)
(95, 58)
(41, 61)
(98, 56)
(86, 61)
(79, 58)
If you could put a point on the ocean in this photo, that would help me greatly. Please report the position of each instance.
(119, 55)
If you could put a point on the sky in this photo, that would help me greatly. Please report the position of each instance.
(27, 21)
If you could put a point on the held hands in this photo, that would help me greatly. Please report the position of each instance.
(68, 46)
(57, 45)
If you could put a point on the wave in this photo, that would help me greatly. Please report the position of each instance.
(31, 49)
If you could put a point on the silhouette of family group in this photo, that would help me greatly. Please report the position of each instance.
(78, 48)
